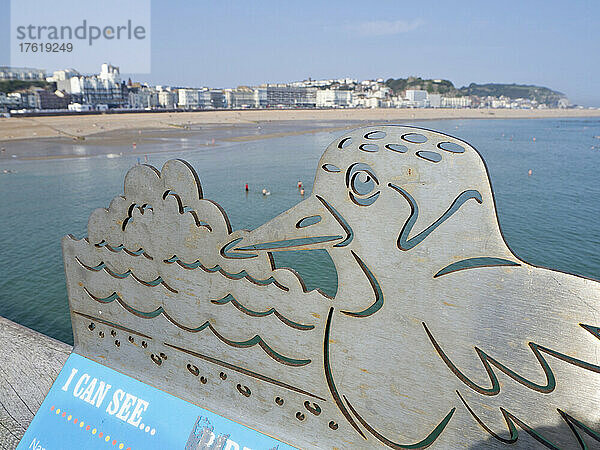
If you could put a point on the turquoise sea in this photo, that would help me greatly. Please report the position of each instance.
(550, 218)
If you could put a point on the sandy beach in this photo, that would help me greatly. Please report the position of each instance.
(80, 127)
(141, 134)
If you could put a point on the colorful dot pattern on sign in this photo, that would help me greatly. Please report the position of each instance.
(94, 407)
(82, 424)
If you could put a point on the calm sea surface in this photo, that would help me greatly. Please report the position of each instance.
(550, 218)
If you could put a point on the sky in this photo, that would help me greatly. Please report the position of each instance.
(230, 43)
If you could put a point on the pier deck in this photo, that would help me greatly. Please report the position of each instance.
(29, 364)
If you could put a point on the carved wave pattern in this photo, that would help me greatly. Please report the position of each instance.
(232, 276)
(290, 323)
(159, 281)
(255, 340)
(102, 266)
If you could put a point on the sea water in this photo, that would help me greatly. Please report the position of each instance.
(549, 218)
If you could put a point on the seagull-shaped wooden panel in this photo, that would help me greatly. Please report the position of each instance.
(437, 336)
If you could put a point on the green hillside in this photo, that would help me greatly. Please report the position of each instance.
(538, 93)
(8, 86)
(432, 86)
(445, 87)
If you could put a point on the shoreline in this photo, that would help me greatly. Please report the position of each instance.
(141, 135)
(78, 128)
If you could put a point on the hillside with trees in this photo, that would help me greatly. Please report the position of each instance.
(445, 87)
(8, 86)
(538, 93)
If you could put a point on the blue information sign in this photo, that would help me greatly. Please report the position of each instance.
(92, 406)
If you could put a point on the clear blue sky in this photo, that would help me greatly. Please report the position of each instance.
(229, 43)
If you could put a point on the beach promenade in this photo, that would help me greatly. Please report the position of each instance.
(80, 127)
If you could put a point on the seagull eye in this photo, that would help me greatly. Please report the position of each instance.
(362, 183)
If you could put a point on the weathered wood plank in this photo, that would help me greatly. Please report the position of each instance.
(31, 361)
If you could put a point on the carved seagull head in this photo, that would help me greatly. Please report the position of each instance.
(388, 191)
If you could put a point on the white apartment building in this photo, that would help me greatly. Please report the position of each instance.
(416, 95)
(286, 96)
(245, 97)
(62, 75)
(211, 98)
(333, 98)
(166, 98)
(187, 98)
(456, 102)
(104, 88)
(109, 73)
(435, 100)
(22, 73)
(380, 92)
(372, 102)
(260, 94)
(365, 100)
(143, 98)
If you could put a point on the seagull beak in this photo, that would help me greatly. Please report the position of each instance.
(311, 224)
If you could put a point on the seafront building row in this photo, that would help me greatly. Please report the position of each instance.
(107, 90)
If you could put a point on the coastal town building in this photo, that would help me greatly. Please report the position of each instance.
(414, 95)
(286, 96)
(167, 98)
(372, 102)
(21, 73)
(211, 98)
(78, 107)
(187, 98)
(29, 89)
(62, 75)
(17, 100)
(142, 97)
(416, 98)
(456, 102)
(104, 88)
(435, 100)
(333, 98)
(245, 97)
(46, 100)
